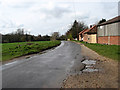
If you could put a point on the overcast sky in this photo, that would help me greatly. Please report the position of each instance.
(47, 16)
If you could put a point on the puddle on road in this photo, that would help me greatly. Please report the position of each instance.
(89, 62)
(89, 66)
(90, 70)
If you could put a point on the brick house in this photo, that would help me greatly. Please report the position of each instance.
(89, 35)
(108, 32)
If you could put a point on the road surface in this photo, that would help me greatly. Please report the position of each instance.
(47, 70)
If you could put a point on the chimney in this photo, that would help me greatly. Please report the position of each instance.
(90, 26)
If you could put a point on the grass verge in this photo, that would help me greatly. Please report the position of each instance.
(12, 50)
(110, 51)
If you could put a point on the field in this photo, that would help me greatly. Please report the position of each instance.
(110, 51)
(12, 50)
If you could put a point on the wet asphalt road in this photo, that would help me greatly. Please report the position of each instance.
(47, 70)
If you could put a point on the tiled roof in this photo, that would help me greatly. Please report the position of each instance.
(83, 31)
(113, 20)
(87, 30)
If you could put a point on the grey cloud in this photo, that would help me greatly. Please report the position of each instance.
(109, 7)
(84, 17)
(119, 8)
(7, 24)
(21, 26)
(56, 12)
(22, 5)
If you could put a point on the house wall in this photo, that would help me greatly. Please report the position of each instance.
(80, 38)
(109, 30)
(112, 40)
(109, 34)
(92, 38)
(85, 38)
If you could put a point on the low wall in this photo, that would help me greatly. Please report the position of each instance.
(111, 40)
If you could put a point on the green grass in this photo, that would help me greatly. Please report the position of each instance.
(110, 51)
(12, 50)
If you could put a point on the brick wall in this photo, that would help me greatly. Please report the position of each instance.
(115, 40)
(112, 40)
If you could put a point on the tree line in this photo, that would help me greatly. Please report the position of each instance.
(21, 36)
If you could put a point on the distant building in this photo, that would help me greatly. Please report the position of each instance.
(109, 32)
(89, 35)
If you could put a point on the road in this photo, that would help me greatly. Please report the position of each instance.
(47, 70)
